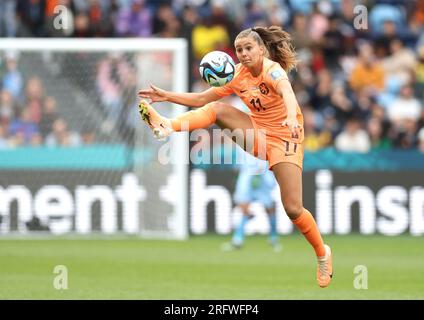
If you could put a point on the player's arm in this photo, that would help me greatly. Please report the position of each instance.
(285, 90)
(189, 99)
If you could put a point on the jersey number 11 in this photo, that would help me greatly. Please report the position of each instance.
(257, 104)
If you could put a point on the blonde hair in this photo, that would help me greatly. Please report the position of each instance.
(277, 43)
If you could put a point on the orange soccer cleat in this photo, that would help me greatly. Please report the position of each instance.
(325, 268)
(160, 126)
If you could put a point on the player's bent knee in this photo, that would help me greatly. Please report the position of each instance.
(293, 210)
(218, 107)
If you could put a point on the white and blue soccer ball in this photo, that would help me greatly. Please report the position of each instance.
(217, 68)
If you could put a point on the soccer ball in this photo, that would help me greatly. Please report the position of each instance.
(217, 68)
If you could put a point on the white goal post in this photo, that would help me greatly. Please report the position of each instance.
(94, 82)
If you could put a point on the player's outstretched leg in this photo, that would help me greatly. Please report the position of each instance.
(160, 126)
(188, 121)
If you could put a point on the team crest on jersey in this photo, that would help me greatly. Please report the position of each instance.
(276, 74)
(263, 88)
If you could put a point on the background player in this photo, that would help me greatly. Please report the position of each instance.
(255, 183)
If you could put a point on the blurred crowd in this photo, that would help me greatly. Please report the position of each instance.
(359, 81)
(28, 117)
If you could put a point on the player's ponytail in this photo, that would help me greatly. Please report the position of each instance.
(277, 42)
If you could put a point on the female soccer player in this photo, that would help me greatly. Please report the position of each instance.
(260, 80)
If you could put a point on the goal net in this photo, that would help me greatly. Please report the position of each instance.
(74, 155)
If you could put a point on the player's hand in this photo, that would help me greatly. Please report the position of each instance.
(293, 126)
(155, 94)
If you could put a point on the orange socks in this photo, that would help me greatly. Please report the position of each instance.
(196, 119)
(307, 225)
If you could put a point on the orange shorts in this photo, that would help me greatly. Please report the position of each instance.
(275, 149)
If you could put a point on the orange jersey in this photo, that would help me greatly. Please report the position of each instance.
(260, 95)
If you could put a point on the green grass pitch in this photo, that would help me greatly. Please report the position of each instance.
(132, 268)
